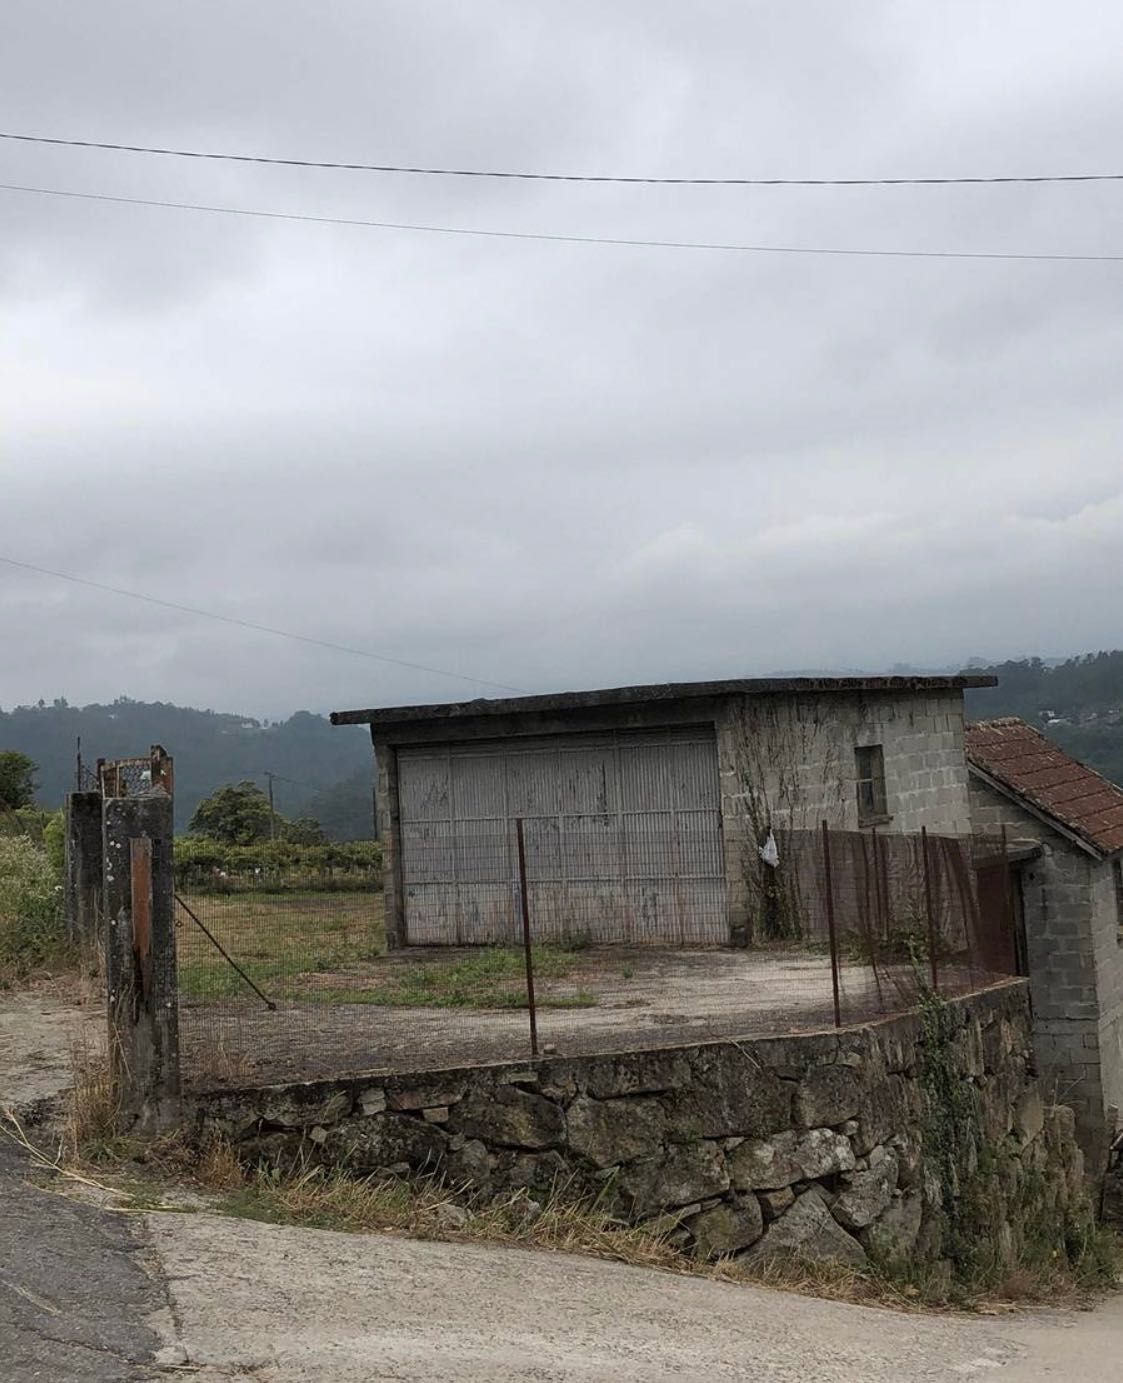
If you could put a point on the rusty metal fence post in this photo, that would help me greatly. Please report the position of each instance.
(930, 910)
(525, 904)
(828, 883)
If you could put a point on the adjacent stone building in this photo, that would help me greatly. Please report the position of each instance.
(1072, 905)
(645, 808)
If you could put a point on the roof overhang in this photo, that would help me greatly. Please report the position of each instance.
(661, 692)
(1046, 818)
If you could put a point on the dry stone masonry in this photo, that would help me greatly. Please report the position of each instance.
(833, 1146)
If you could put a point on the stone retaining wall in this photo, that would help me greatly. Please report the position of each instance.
(816, 1143)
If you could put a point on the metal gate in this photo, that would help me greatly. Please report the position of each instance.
(623, 838)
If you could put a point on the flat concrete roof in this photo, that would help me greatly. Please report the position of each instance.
(661, 691)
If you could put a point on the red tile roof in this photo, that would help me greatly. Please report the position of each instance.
(1021, 760)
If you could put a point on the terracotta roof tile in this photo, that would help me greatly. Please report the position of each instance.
(1034, 769)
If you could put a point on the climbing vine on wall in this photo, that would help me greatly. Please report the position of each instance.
(779, 749)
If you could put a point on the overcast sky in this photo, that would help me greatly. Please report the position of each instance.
(554, 466)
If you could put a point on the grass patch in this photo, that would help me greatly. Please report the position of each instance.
(492, 978)
(330, 949)
(281, 940)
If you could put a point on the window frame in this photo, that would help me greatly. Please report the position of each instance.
(1117, 882)
(870, 771)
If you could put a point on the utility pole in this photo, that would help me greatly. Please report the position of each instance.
(272, 813)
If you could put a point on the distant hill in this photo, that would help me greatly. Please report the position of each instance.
(1078, 703)
(306, 753)
(328, 772)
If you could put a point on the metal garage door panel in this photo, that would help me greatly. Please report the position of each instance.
(479, 787)
(428, 852)
(423, 792)
(533, 786)
(623, 839)
(589, 783)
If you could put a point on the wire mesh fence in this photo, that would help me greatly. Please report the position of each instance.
(612, 938)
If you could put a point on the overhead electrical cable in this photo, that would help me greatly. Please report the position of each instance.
(558, 238)
(256, 628)
(437, 172)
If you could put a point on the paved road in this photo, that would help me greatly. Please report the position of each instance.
(74, 1293)
(301, 1305)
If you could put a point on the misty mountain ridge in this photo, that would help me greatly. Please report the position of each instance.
(326, 771)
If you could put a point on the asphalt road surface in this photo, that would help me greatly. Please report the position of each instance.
(75, 1293)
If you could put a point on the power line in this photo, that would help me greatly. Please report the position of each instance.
(561, 177)
(256, 628)
(566, 239)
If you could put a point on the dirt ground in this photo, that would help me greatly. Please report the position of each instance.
(643, 998)
(41, 1031)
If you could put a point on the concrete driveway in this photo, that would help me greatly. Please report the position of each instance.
(294, 1304)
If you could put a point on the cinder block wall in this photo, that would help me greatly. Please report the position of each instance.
(796, 754)
(1107, 952)
(1075, 965)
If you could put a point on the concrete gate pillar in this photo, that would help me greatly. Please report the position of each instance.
(139, 895)
(84, 876)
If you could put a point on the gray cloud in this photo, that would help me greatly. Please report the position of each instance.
(552, 465)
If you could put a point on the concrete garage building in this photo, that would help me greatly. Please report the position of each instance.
(645, 808)
(1072, 906)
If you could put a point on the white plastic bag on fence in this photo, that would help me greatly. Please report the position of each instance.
(769, 851)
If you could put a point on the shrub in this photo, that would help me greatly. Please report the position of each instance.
(204, 863)
(32, 928)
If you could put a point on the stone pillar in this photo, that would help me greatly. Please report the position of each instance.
(140, 958)
(83, 881)
(388, 818)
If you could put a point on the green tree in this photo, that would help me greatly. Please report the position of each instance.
(237, 814)
(305, 830)
(17, 780)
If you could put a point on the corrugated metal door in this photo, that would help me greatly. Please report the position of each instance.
(623, 838)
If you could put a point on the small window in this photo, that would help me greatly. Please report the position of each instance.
(869, 765)
(1117, 875)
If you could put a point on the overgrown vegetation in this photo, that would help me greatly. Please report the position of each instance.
(207, 865)
(998, 1221)
(33, 938)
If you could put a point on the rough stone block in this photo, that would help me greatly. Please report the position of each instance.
(511, 1117)
(405, 1097)
(301, 1107)
(727, 1229)
(822, 1153)
(774, 1203)
(684, 1173)
(637, 1073)
(384, 1141)
(884, 1111)
(612, 1131)
(865, 1195)
(764, 1164)
(808, 1231)
(893, 1236)
(1029, 1116)
(828, 1095)
(728, 1096)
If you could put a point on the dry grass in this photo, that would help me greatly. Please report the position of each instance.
(213, 1063)
(91, 1129)
(281, 940)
